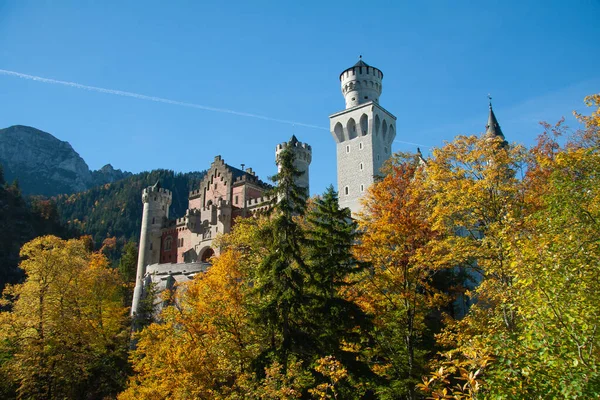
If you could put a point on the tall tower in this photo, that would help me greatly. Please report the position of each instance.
(302, 159)
(363, 132)
(156, 210)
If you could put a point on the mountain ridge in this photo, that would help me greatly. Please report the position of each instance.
(45, 165)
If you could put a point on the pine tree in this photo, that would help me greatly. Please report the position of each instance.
(281, 275)
(341, 323)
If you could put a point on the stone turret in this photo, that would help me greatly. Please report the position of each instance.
(156, 211)
(363, 132)
(361, 83)
(302, 159)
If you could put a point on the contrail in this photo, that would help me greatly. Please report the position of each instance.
(153, 98)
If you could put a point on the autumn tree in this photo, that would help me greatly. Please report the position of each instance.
(67, 331)
(204, 343)
(396, 289)
(533, 332)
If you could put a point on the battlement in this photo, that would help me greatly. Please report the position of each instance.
(157, 190)
(259, 200)
(296, 145)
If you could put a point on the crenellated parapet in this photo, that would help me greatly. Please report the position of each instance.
(154, 193)
(259, 201)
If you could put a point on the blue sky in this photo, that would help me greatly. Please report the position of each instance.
(282, 59)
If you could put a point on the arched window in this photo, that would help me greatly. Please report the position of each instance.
(364, 124)
(339, 132)
(384, 130)
(168, 242)
(351, 127)
(377, 125)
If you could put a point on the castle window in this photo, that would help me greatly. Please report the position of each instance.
(362, 188)
(360, 146)
(168, 241)
(346, 190)
(366, 97)
(163, 208)
(361, 166)
(377, 157)
(354, 98)
(347, 149)
(154, 198)
(215, 186)
(236, 199)
(150, 246)
(153, 219)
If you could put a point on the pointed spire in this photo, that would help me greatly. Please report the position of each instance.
(492, 129)
(293, 139)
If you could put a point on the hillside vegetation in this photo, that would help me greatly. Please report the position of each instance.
(115, 209)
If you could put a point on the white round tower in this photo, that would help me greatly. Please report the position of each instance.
(361, 83)
(156, 210)
(302, 158)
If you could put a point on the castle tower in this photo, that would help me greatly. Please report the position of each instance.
(363, 133)
(302, 159)
(156, 210)
(492, 129)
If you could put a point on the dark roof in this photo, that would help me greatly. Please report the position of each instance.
(360, 63)
(493, 127)
(293, 139)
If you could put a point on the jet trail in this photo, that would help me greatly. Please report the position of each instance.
(167, 101)
(152, 98)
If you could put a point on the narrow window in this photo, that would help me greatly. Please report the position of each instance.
(361, 166)
(346, 190)
(215, 186)
(366, 97)
(153, 220)
(360, 146)
(236, 199)
(347, 149)
(362, 188)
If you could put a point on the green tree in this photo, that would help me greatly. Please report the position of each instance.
(281, 275)
(341, 325)
(127, 270)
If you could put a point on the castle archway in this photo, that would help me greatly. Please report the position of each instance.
(206, 255)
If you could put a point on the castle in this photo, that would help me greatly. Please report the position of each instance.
(174, 250)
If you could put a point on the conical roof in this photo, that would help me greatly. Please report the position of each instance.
(492, 128)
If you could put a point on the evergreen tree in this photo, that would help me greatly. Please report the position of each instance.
(281, 276)
(127, 269)
(340, 322)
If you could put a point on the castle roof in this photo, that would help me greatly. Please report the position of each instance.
(360, 63)
(492, 128)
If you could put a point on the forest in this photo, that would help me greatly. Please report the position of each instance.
(470, 274)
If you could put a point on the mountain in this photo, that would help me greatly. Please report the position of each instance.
(108, 174)
(115, 209)
(45, 165)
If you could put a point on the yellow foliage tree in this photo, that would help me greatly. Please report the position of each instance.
(202, 345)
(533, 332)
(66, 330)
